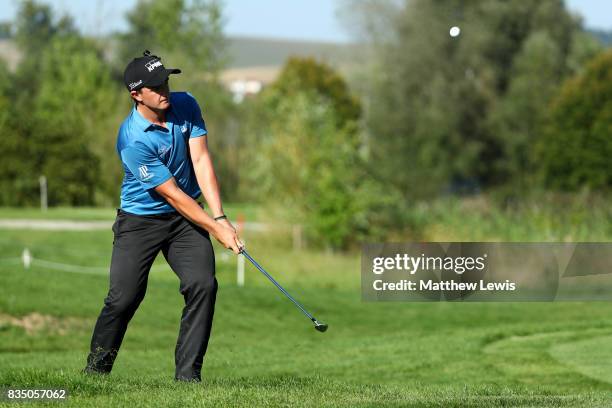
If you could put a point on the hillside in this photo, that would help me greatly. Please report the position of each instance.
(605, 37)
(256, 52)
(243, 52)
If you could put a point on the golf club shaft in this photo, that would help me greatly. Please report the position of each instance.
(262, 270)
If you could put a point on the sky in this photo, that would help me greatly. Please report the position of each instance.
(313, 20)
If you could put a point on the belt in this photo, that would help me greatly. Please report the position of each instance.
(161, 216)
(165, 215)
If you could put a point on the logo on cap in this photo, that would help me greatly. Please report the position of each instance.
(135, 84)
(151, 65)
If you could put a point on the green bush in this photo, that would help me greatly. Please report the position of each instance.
(575, 149)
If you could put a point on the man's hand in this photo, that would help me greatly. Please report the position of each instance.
(226, 222)
(227, 236)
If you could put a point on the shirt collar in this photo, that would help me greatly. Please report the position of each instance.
(144, 124)
(140, 121)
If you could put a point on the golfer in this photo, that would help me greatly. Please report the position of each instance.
(163, 147)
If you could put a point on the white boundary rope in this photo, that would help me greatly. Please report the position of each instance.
(68, 268)
(27, 260)
(100, 270)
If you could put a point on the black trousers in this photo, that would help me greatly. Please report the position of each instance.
(189, 252)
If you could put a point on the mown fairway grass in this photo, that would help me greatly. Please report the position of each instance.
(264, 353)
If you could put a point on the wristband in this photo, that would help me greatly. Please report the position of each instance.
(221, 217)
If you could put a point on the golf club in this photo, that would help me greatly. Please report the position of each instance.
(318, 325)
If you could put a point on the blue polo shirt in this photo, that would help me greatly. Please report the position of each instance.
(152, 154)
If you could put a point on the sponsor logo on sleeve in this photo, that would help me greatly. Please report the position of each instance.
(144, 173)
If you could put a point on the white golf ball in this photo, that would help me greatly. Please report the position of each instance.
(455, 31)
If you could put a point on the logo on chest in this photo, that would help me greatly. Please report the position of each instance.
(163, 150)
(184, 129)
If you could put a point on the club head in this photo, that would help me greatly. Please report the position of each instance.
(320, 326)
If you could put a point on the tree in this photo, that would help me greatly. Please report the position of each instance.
(35, 27)
(74, 102)
(12, 168)
(518, 118)
(306, 74)
(59, 99)
(447, 110)
(576, 147)
(306, 165)
(305, 156)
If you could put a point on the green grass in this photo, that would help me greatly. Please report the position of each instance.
(541, 218)
(264, 353)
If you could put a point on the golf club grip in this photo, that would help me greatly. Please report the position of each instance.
(262, 270)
